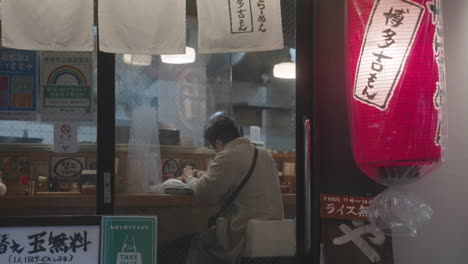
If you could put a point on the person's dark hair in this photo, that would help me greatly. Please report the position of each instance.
(221, 127)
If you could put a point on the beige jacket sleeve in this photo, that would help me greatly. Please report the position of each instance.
(216, 182)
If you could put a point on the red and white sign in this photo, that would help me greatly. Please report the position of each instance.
(344, 207)
(396, 87)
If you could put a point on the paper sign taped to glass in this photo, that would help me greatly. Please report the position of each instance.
(143, 27)
(129, 240)
(48, 24)
(396, 92)
(239, 26)
(65, 137)
(66, 86)
(18, 84)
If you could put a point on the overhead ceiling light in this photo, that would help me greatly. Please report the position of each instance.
(188, 57)
(137, 60)
(285, 70)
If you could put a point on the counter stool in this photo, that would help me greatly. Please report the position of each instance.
(270, 242)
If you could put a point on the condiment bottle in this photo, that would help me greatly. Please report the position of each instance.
(42, 184)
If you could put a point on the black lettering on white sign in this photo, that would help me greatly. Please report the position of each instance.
(389, 37)
(241, 17)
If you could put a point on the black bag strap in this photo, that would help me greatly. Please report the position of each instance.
(233, 195)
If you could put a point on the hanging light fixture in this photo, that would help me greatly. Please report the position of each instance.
(137, 60)
(188, 57)
(286, 70)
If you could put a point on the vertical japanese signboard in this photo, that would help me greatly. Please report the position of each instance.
(129, 240)
(239, 25)
(47, 244)
(66, 86)
(18, 84)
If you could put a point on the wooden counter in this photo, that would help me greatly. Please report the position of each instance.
(178, 215)
(38, 159)
(122, 201)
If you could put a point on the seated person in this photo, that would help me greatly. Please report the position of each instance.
(259, 198)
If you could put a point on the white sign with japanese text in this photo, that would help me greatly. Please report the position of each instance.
(66, 86)
(65, 138)
(67, 168)
(49, 245)
(239, 25)
(390, 33)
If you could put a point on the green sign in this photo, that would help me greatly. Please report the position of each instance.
(62, 91)
(129, 240)
(22, 84)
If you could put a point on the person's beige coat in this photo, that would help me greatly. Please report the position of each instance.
(260, 198)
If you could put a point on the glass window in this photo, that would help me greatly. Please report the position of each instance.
(28, 164)
(162, 106)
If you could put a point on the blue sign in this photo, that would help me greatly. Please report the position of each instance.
(18, 80)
